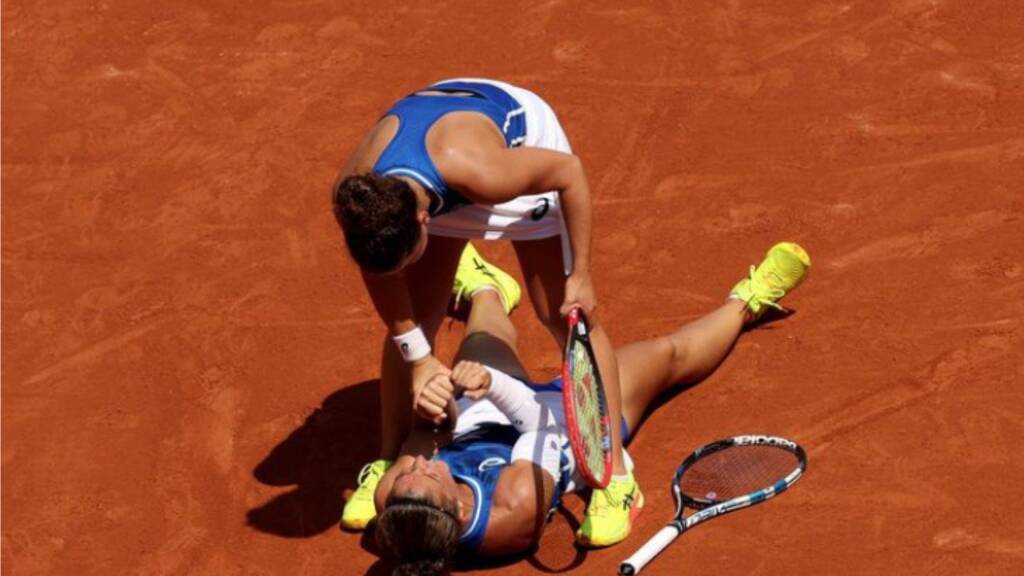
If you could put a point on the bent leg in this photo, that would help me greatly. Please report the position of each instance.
(430, 286)
(490, 336)
(650, 367)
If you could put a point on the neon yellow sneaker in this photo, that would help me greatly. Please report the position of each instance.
(610, 514)
(784, 266)
(360, 509)
(475, 273)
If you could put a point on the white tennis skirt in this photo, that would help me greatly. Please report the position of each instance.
(529, 217)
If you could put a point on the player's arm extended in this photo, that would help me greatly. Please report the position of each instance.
(493, 175)
(390, 296)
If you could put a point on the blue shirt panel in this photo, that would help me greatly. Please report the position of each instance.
(477, 459)
(406, 154)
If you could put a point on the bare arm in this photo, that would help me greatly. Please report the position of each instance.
(390, 295)
(494, 175)
(520, 507)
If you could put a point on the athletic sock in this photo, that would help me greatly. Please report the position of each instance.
(501, 297)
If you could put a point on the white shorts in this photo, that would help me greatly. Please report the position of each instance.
(514, 220)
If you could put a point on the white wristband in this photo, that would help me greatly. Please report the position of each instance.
(412, 345)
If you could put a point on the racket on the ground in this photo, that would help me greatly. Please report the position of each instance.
(586, 408)
(721, 477)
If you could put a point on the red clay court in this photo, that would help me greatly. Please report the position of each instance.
(190, 359)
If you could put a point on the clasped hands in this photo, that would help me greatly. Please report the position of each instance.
(437, 386)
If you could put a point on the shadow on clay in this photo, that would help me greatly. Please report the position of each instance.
(320, 459)
(544, 561)
(771, 316)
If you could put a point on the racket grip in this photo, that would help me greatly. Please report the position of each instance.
(648, 551)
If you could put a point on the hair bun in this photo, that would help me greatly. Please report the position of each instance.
(378, 215)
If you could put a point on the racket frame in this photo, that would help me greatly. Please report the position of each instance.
(579, 331)
(707, 509)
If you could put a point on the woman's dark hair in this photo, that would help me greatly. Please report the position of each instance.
(420, 536)
(378, 215)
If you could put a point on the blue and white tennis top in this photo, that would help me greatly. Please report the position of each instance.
(483, 444)
(482, 448)
(477, 459)
(406, 154)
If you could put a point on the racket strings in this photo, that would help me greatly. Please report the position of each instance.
(581, 371)
(736, 471)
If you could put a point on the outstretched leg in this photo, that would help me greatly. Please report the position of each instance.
(649, 367)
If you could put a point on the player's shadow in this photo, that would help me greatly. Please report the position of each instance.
(320, 459)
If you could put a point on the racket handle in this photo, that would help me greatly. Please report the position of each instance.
(648, 551)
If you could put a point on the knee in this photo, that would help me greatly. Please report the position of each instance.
(678, 352)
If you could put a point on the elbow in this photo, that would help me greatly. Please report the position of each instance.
(574, 167)
(571, 176)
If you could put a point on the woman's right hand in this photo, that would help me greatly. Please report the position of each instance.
(432, 389)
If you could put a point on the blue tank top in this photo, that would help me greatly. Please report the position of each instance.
(477, 459)
(406, 154)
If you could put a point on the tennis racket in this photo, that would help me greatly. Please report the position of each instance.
(721, 477)
(586, 408)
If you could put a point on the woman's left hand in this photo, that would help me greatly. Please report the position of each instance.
(579, 291)
(472, 378)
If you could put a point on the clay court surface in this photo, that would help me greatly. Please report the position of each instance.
(190, 359)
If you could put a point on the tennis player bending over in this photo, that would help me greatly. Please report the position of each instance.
(461, 159)
(487, 486)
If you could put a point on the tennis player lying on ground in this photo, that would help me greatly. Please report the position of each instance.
(487, 486)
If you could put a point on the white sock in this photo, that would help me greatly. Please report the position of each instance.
(504, 305)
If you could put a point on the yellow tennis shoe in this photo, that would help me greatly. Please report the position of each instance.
(782, 270)
(360, 509)
(475, 273)
(610, 513)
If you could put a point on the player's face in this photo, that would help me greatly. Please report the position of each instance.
(419, 249)
(429, 480)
